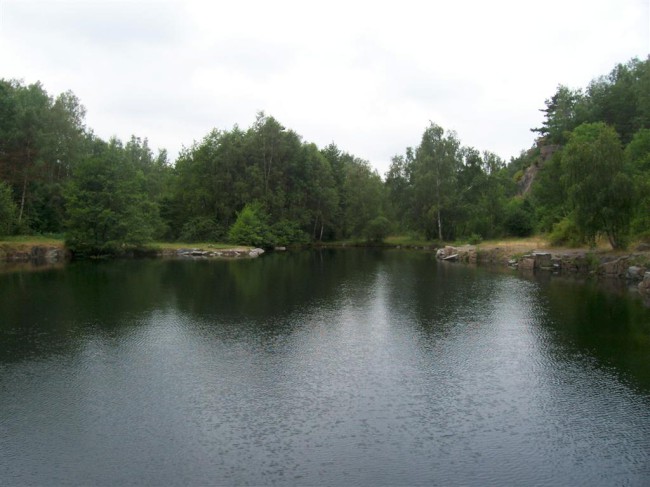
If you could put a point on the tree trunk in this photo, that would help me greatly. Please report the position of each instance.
(315, 227)
(22, 200)
(438, 200)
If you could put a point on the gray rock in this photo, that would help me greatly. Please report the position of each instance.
(635, 273)
(542, 260)
(527, 263)
(614, 268)
(644, 286)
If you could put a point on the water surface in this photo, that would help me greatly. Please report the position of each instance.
(354, 367)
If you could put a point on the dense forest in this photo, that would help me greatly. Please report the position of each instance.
(586, 177)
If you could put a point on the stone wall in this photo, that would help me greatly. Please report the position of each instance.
(635, 268)
(38, 254)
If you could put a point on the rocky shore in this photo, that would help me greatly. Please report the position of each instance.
(54, 254)
(37, 254)
(198, 253)
(633, 267)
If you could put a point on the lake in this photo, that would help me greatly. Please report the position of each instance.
(346, 367)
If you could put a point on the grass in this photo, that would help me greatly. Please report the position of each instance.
(408, 241)
(22, 241)
(195, 245)
(513, 245)
(31, 240)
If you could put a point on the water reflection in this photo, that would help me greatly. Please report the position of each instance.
(327, 368)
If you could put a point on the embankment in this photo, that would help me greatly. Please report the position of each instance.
(35, 253)
(633, 267)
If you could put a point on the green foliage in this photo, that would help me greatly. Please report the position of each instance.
(565, 110)
(286, 232)
(474, 239)
(201, 229)
(566, 233)
(8, 210)
(113, 196)
(519, 218)
(600, 193)
(252, 228)
(446, 191)
(41, 139)
(637, 158)
(435, 167)
(549, 195)
(108, 208)
(378, 229)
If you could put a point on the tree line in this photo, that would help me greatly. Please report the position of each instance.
(266, 186)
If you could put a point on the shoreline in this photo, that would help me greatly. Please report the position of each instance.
(632, 268)
(525, 256)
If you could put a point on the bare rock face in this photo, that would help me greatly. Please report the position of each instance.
(466, 254)
(220, 253)
(536, 260)
(39, 254)
(635, 273)
(615, 268)
(445, 252)
(527, 263)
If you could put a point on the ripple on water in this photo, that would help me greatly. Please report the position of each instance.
(385, 379)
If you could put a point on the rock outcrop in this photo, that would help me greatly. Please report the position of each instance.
(644, 285)
(536, 260)
(631, 267)
(215, 253)
(38, 254)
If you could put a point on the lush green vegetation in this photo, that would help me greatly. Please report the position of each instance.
(265, 186)
(595, 177)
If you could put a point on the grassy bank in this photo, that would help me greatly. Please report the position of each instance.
(162, 246)
(32, 241)
(509, 245)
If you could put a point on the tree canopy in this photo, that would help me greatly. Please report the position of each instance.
(587, 175)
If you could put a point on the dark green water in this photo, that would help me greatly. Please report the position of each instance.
(319, 368)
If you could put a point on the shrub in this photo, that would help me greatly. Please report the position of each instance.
(474, 239)
(566, 232)
(201, 229)
(286, 232)
(252, 228)
(378, 229)
(518, 221)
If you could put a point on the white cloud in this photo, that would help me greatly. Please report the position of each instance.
(367, 75)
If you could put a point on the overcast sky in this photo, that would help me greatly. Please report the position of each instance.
(368, 76)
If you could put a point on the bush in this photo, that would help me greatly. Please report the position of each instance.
(474, 239)
(286, 232)
(518, 221)
(201, 229)
(566, 232)
(251, 228)
(378, 229)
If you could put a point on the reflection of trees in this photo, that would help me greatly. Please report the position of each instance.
(59, 304)
(613, 328)
(50, 310)
(268, 287)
